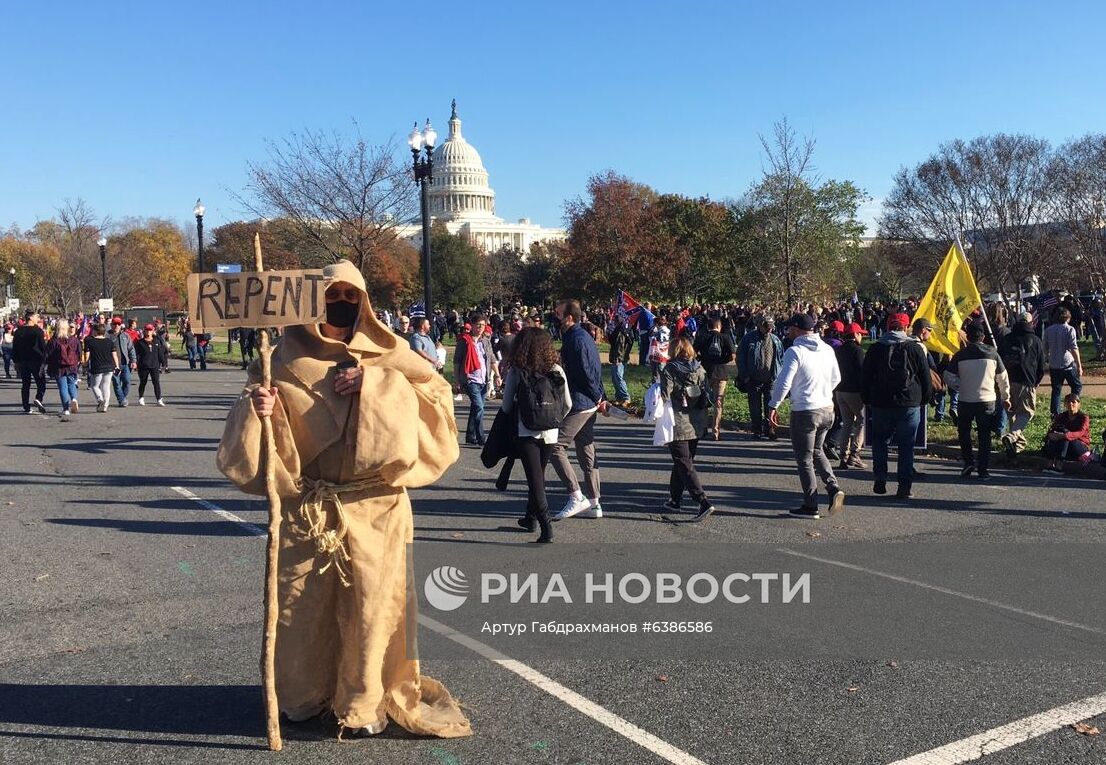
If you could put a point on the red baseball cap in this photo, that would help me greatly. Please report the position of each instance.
(856, 329)
(899, 318)
(838, 326)
(116, 319)
(149, 327)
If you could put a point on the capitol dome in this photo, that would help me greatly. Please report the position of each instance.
(459, 188)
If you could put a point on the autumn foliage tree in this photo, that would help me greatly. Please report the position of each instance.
(617, 240)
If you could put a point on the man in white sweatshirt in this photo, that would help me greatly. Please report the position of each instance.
(809, 374)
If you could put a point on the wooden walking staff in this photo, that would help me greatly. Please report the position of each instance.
(268, 448)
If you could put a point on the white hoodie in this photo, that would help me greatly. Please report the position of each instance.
(809, 373)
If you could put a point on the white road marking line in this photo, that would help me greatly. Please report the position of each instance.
(947, 591)
(1011, 734)
(619, 725)
(255, 529)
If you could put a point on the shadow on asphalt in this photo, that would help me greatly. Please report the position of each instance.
(174, 528)
(217, 710)
(108, 445)
(194, 710)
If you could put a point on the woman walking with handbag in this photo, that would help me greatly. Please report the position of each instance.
(682, 381)
(536, 389)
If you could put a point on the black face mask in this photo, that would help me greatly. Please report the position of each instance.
(342, 313)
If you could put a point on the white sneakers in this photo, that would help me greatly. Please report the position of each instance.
(141, 401)
(580, 505)
(161, 402)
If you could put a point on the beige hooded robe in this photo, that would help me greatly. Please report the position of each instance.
(346, 647)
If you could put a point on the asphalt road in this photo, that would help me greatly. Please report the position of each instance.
(130, 616)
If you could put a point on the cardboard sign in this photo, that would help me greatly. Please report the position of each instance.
(256, 299)
(107, 305)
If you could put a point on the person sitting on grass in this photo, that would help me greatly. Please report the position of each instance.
(1069, 437)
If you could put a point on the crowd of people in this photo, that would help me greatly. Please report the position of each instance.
(106, 353)
(840, 393)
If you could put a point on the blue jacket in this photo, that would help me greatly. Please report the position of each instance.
(583, 370)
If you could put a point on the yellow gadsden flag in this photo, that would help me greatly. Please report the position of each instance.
(951, 298)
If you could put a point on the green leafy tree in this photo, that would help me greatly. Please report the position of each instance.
(704, 232)
(804, 232)
(456, 270)
(541, 273)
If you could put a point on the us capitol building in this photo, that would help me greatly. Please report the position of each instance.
(461, 198)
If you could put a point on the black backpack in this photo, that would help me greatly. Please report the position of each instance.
(1013, 355)
(712, 355)
(895, 374)
(541, 400)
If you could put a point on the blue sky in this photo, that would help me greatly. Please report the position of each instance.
(140, 108)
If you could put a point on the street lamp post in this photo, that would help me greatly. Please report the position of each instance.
(198, 211)
(11, 283)
(103, 242)
(424, 173)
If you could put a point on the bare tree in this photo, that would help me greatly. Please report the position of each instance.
(789, 162)
(345, 197)
(995, 191)
(1080, 204)
(76, 279)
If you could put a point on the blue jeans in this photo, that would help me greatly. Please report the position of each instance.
(474, 430)
(953, 400)
(618, 378)
(67, 389)
(898, 423)
(121, 384)
(1058, 378)
(7, 362)
(197, 354)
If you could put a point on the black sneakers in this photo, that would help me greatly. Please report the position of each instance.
(836, 501)
(670, 506)
(879, 487)
(967, 470)
(806, 512)
(705, 509)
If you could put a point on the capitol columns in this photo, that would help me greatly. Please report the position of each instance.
(424, 173)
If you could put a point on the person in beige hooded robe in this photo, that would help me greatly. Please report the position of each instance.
(350, 443)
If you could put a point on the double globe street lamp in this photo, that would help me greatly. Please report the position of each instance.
(424, 173)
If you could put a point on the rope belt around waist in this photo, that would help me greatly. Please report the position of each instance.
(331, 542)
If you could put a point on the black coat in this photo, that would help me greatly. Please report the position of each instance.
(850, 360)
(1023, 354)
(501, 439)
(151, 355)
(29, 346)
(919, 384)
